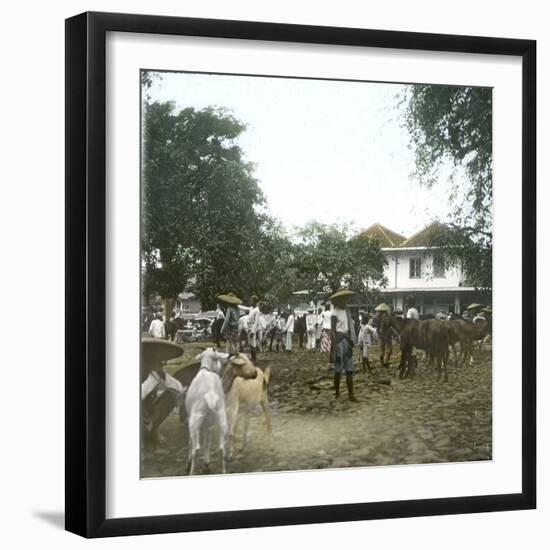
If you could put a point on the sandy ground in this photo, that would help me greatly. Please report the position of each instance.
(410, 421)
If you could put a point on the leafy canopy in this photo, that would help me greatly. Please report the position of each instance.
(449, 123)
(200, 203)
(331, 256)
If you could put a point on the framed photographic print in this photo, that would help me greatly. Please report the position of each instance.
(292, 255)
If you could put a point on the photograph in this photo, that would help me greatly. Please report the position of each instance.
(316, 273)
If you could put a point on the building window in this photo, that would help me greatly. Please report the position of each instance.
(439, 267)
(415, 265)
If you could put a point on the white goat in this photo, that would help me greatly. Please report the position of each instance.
(205, 400)
(248, 393)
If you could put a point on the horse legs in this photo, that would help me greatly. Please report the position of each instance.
(455, 355)
(404, 359)
(382, 353)
(441, 359)
(411, 370)
(390, 350)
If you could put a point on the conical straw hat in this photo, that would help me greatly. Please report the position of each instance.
(343, 292)
(154, 350)
(230, 298)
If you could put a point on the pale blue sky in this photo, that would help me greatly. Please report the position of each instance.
(327, 150)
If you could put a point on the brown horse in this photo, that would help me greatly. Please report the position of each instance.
(386, 334)
(466, 333)
(430, 335)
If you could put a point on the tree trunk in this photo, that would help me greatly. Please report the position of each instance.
(168, 305)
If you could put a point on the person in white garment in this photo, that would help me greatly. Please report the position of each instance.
(156, 328)
(412, 312)
(159, 390)
(253, 328)
(311, 323)
(367, 334)
(277, 332)
(325, 331)
(318, 328)
(289, 331)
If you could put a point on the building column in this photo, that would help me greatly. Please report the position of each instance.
(400, 303)
(457, 303)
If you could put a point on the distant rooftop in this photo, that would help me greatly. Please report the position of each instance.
(385, 237)
(426, 236)
(186, 296)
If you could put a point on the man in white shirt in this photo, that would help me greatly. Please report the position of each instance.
(412, 312)
(325, 334)
(365, 338)
(253, 322)
(318, 328)
(289, 330)
(156, 329)
(311, 323)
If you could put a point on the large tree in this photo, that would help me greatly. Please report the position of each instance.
(451, 126)
(201, 204)
(329, 256)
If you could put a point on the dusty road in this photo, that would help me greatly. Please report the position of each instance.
(408, 422)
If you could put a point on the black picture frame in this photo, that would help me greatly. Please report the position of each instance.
(86, 273)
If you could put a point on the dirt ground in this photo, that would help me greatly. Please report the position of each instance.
(410, 421)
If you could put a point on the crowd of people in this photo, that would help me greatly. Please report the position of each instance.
(332, 330)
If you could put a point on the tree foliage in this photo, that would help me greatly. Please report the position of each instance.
(448, 123)
(201, 203)
(331, 256)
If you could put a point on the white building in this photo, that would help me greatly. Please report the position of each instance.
(416, 268)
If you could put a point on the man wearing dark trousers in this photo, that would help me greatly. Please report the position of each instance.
(343, 338)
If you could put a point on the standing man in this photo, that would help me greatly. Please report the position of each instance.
(159, 390)
(277, 332)
(156, 329)
(311, 321)
(319, 329)
(230, 327)
(343, 338)
(471, 311)
(366, 335)
(412, 312)
(253, 327)
(325, 334)
(289, 331)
